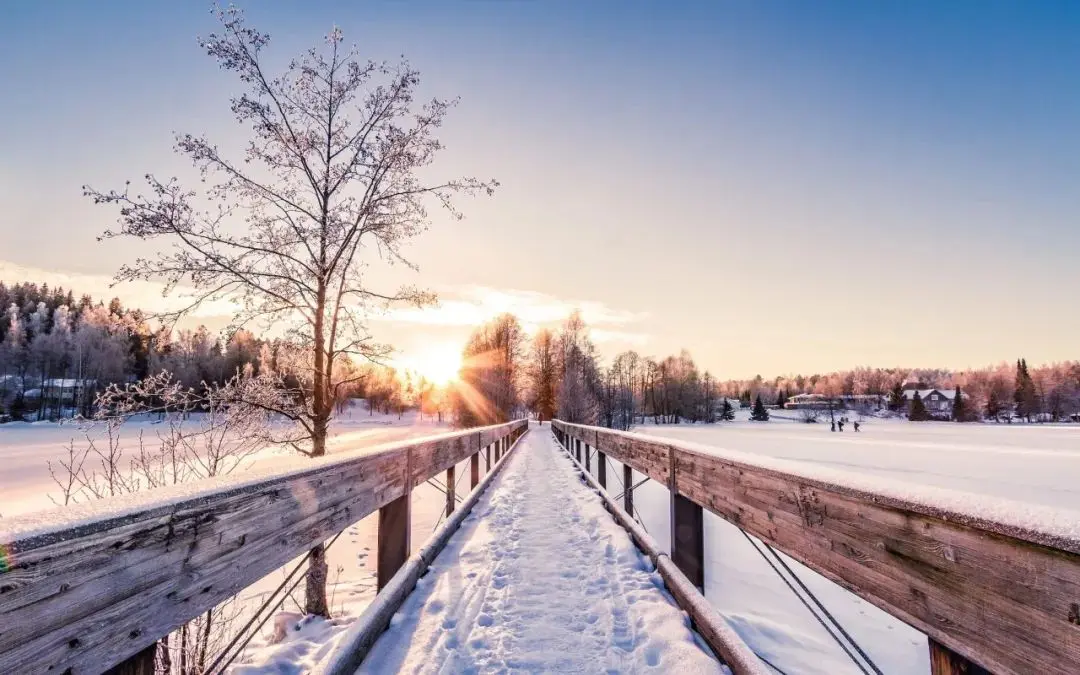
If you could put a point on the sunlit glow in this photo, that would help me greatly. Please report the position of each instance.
(438, 364)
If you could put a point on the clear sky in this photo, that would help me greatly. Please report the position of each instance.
(777, 187)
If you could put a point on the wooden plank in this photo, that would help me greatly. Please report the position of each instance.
(474, 470)
(650, 459)
(1005, 603)
(431, 458)
(601, 469)
(90, 595)
(588, 459)
(628, 492)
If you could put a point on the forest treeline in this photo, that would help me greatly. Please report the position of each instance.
(57, 353)
(59, 350)
(559, 373)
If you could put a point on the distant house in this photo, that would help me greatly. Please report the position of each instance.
(823, 402)
(937, 401)
(66, 390)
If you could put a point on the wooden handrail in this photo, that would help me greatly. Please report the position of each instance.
(84, 593)
(1001, 595)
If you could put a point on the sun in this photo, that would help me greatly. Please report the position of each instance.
(438, 364)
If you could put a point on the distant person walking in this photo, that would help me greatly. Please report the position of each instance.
(841, 425)
(856, 425)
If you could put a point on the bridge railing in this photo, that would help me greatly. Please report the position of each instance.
(86, 588)
(994, 586)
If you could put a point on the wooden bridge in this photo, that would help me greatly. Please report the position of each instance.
(93, 590)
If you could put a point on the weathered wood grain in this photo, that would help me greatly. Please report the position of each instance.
(89, 596)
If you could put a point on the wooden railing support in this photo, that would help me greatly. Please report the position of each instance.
(588, 461)
(450, 482)
(394, 535)
(474, 470)
(944, 661)
(628, 492)
(141, 664)
(688, 539)
(601, 469)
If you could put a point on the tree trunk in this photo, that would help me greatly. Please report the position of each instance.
(315, 583)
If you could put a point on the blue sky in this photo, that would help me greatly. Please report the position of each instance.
(775, 186)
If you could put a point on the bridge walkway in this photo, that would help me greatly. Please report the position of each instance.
(540, 578)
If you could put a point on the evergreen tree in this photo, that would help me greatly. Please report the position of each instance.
(918, 410)
(896, 398)
(744, 399)
(727, 412)
(759, 414)
(959, 410)
(781, 399)
(993, 406)
(1024, 391)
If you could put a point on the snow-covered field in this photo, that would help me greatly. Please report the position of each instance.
(1037, 464)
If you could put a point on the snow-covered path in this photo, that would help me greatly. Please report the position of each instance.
(539, 579)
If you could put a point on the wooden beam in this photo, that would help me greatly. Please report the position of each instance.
(628, 492)
(588, 461)
(601, 469)
(474, 470)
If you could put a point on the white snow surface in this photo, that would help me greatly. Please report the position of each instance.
(540, 579)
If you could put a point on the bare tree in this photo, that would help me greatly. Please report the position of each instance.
(329, 180)
(491, 373)
(543, 374)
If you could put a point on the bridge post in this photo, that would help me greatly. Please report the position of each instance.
(487, 458)
(601, 469)
(588, 462)
(450, 481)
(394, 519)
(577, 446)
(944, 661)
(140, 664)
(687, 531)
(628, 492)
(474, 469)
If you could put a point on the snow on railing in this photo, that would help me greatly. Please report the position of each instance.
(87, 587)
(993, 584)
